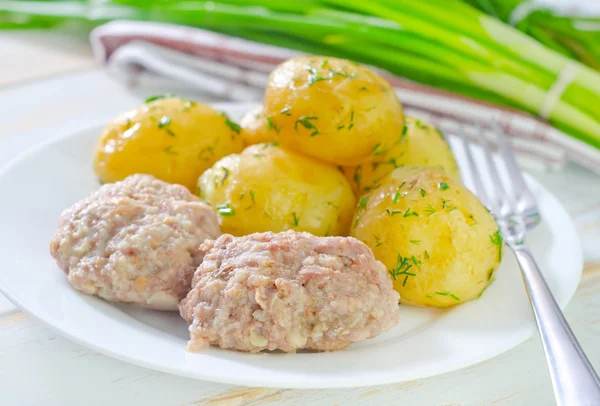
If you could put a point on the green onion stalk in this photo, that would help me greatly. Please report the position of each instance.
(577, 37)
(444, 43)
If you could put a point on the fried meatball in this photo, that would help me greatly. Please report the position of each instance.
(135, 241)
(288, 291)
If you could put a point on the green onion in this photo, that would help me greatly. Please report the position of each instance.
(443, 43)
(573, 36)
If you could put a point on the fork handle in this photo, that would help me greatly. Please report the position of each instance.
(574, 380)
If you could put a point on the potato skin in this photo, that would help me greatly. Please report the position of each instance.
(332, 109)
(256, 129)
(440, 244)
(422, 145)
(268, 188)
(173, 139)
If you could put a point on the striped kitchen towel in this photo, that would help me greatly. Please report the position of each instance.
(230, 68)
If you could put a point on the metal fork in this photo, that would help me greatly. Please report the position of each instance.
(515, 210)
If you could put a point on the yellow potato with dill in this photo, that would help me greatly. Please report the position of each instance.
(171, 138)
(422, 145)
(256, 129)
(440, 244)
(268, 188)
(332, 109)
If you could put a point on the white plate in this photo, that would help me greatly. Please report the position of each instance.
(36, 187)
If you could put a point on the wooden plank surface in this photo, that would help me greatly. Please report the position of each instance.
(31, 55)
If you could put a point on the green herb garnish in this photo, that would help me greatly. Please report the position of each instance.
(208, 150)
(226, 210)
(496, 239)
(188, 105)
(315, 76)
(409, 212)
(473, 221)
(271, 125)
(415, 261)
(357, 175)
(351, 120)
(362, 203)
(377, 150)
(403, 267)
(232, 125)
(164, 121)
(169, 150)
(158, 97)
(483, 290)
(306, 123)
(225, 175)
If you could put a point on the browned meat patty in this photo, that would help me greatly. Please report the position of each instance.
(288, 291)
(135, 241)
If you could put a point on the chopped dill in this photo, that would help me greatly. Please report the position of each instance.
(225, 175)
(402, 268)
(306, 123)
(169, 150)
(409, 212)
(362, 203)
(430, 211)
(271, 125)
(234, 126)
(377, 150)
(496, 239)
(226, 210)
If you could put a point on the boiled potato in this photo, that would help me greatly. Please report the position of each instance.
(439, 243)
(256, 129)
(423, 145)
(171, 138)
(268, 188)
(332, 109)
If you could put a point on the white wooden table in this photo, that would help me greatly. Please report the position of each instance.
(39, 367)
